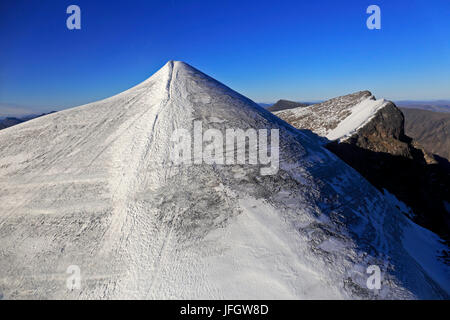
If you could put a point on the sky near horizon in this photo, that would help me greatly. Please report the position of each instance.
(265, 50)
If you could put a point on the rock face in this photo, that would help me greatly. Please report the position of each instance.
(384, 133)
(379, 149)
(94, 189)
(285, 104)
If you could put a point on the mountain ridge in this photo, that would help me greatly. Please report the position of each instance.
(376, 145)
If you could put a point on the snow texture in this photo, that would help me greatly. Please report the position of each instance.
(94, 187)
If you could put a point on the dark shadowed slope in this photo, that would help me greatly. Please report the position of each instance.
(430, 129)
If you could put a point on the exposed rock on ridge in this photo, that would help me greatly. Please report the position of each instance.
(383, 154)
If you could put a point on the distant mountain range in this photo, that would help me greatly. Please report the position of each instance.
(285, 104)
(9, 122)
(437, 105)
(6, 122)
(431, 129)
(265, 105)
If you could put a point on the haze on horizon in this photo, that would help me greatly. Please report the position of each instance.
(283, 50)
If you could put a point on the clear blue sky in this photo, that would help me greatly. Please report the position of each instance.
(266, 50)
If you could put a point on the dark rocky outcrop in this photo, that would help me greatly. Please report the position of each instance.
(384, 133)
(390, 160)
(285, 104)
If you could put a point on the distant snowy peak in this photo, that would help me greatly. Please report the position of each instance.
(337, 118)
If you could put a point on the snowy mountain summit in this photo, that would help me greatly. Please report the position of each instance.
(91, 206)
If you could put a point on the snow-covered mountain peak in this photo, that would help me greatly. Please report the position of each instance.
(94, 188)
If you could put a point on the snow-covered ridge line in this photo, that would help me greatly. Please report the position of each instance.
(337, 118)
(360, 115)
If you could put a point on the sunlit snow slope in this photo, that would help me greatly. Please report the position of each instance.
(94, 187)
